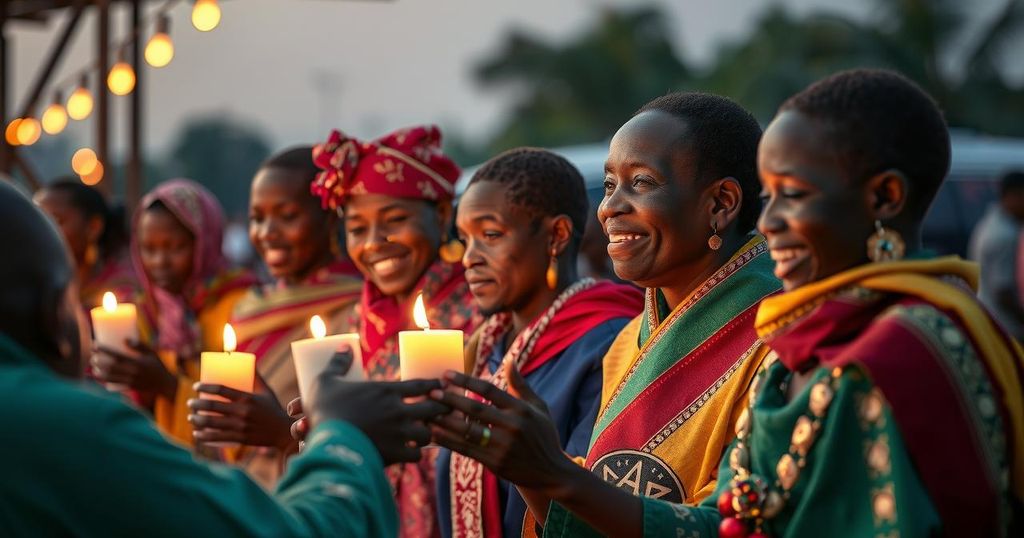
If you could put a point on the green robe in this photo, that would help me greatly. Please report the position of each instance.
(80, 462)
(837, 472)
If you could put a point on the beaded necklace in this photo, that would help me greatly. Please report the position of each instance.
(750, 500)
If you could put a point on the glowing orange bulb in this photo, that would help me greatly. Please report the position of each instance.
(121, 79)
(95, 176)
(205, 15)
(80, 103)
(84, 161)
(55, 118)
(11, 133)
(29, 131)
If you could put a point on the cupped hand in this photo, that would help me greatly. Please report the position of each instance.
(522, 446)
(392, 414)
(248, 418)
(142, 371)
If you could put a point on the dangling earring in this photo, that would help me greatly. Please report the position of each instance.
(92, 254)
(885, 244)
(552, 274)
(714, 242)
(451, 251)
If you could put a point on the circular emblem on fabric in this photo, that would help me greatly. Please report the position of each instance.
(640, 473)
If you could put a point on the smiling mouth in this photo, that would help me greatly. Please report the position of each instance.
(388, 266)
(275, 256)
(624, 238)
(788, 260)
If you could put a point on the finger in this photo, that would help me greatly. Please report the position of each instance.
(139, 347)
(457, 443)
(414, 387)
(113, 354)
(340, 362)
(300, 429)
(214, 422)
(215, 406)
(473, 409)
(222, 391)
(418, 433)
(499, 397)
(294, 408)
(218, 436)
(455, 424)
(424, 409)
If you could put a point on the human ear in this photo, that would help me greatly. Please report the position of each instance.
(726, 197)
(886, 194)
(561, 234)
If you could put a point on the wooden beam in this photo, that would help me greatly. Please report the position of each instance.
(103, 93)
(5, 71)
(26, 169)
(133, 177)
(56, 53)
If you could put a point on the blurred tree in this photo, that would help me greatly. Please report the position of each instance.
(222, 155)
(582, 90)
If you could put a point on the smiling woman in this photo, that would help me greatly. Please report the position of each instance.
(396, 193)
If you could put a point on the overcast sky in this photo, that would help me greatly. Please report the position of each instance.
(295, 68)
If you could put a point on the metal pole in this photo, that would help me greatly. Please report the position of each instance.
(102, 93)
(5, 150)
(133, 177)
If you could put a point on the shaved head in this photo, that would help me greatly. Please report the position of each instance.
(37, 307)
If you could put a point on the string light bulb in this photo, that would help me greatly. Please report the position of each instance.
(80, 101)
(121, 79)
(93, 177)
(205, 15)
(11, 133)
(160, 49)
(29, 131)
(55, 118)
(84, 161)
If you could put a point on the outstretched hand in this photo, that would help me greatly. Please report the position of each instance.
(522, 445)
(143, 371)
(396, 427)
(248, 418)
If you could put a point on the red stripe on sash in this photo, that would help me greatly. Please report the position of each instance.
(677, 388)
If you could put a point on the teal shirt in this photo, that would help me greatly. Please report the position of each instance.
(82, 463)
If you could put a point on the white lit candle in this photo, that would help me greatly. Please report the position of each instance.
(113, 324)
(428, 353)
(312, 355)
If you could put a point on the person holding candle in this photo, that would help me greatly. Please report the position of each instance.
(396, 194)
(335, 488)
(95, 237)
(679, 209)
(188, 294)
(522, 218)
(298, 241)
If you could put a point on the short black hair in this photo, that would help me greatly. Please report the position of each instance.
(540, 182)
(880, 120)
(1010, 182)
(91, 203)
(723, 137)
(298, 158)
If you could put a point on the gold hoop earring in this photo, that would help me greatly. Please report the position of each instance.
(714, 242)
(552, 273)
(885, 244)
(451, 251)
(92, 255)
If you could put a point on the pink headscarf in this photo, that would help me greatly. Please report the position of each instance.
(173, 316)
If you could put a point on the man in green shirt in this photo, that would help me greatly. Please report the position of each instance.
(80, 462)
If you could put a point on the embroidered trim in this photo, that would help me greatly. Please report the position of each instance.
(710, 284)
(680, 419)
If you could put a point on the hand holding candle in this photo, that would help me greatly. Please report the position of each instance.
(312, 355)
(113, 326)
(428, 353)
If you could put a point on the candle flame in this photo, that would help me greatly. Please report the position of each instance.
(109, 302)
(317, 327)
(419, 313)
(230, 340)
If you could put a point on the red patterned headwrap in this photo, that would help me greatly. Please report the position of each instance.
(407, 163)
